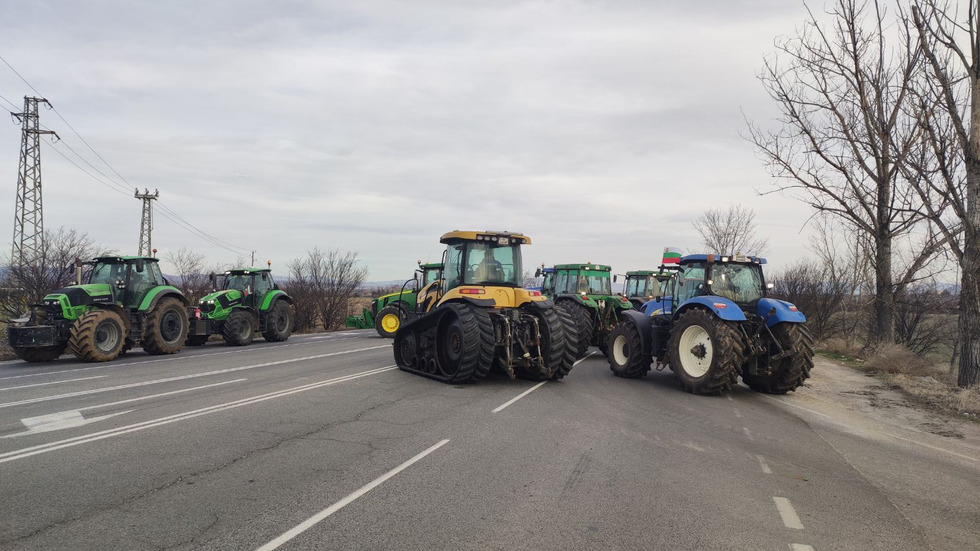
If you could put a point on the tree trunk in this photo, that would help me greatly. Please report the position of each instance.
(969, 322)
(883, 324)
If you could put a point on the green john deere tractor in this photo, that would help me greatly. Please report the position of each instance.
(248, 301)
(584, 292)
(125, 302)
(642, 286)
(388, 312)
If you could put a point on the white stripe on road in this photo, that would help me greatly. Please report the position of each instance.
(533, 388)
(53, 382)
(161, 394)
(799, 547)
(183, 377)
(69, 442)
(765, 466)
(747, 433)
(312, 521)
(787, 513)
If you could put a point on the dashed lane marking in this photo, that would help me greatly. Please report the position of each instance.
(800, 547)
(53, 382)
(788, 513)
(763, 464)
(748, 433)
(150, 397)
(312, 521)
(533, 388)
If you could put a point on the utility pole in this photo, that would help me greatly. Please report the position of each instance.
(253, 259)
(146, 223)
(28, 217)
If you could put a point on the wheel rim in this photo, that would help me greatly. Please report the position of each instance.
(170, 326)
(107, 336)
(452, 347)
(408, 348)
(246, 329)
(390, 322)
(281, 321)
(695, 351)
(621, 350)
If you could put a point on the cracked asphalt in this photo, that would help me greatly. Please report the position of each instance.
(318, 440)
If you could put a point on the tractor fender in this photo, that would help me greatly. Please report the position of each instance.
(778, 311)
(657, 307)
(272, 297)
(644, 326)
(157, 294)
(547, 304)
(721, 307)
(248, 309)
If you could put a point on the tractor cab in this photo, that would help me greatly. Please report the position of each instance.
(252, 283)
(642, 286)
(129, 278)
(483, 259)
(588, 281)
(736, 279)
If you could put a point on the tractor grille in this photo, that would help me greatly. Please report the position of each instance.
(207, 308)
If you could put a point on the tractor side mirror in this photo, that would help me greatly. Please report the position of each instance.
(537, 273)
(214, 280)
(140, 266)
(615, 277)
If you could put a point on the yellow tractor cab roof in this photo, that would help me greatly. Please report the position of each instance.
(499, 237)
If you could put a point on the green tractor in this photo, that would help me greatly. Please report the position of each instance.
(248, 301)
(389, 311)
(125, 302)
(584, 292)
(642, 286)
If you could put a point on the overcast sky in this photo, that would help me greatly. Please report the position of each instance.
(601, 129)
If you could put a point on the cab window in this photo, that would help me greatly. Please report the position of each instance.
(690, 282)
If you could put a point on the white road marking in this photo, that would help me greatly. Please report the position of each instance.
(53, 382)
(787, 513)
(137, 399)
(58, 421)
(312, 521)
(747, 432)
(69, 442)
(738, 413)
(800, 547)
(183, 377)
(762, 462)
(533, 388)
(909, 440)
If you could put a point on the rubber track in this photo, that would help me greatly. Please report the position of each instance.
(728, 348)
(579, 330)
(82, 340)
(793, 370)
(637, 363)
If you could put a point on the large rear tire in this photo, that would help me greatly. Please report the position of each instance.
(625, 351)
(40, 353)
(239, 328)
(558, 350)
(165, 327)
(97, 336)
(580, 329)
(388, 321)
(790, 372)
(705, 352)
(278, 322)
(464, 343)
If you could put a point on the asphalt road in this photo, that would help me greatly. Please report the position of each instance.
(319, 443)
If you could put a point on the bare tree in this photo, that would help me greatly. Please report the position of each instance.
(730, 230)
(949, 166)
(847, 130)
(190, 273)
(322, 284)
(54, 269)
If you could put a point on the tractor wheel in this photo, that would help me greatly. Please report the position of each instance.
(278, 322)
(464, 343)
(196, 340)
(790, 372)
(558, 347)
(705, 353)
(165, 327)
(625, 351)
(580, 331)
(97, 336)
(239, 328)
(388, 321)
(40, 353)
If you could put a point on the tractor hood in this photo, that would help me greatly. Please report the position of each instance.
(221, 299)
(73, 300)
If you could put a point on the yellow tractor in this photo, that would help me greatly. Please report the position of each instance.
(481, 317)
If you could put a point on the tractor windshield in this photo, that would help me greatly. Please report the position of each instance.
(487, 263)
(641, 286)
(739, 283)
(238, 282)
(431, 275)
(595, 284)
(109, 273)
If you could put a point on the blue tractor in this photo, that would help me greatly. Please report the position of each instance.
(716, 325)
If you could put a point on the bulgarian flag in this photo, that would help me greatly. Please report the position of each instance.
(672, 255)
